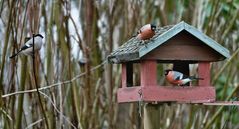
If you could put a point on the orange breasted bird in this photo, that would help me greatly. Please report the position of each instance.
(178, 78)
(146, 32)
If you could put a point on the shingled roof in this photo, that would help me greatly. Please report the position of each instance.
(134, 49)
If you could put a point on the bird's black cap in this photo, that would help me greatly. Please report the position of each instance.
(38, 35)
(166, 71)
(153, 27)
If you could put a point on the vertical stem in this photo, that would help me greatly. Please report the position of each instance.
(21, 96)
(5, 50)
(151, 116)
(35, 79)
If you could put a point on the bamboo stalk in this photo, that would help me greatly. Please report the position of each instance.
(7, 36)
(219, 111)
(21, 97)
(37, 87)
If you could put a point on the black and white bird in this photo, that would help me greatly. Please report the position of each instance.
(27, 49)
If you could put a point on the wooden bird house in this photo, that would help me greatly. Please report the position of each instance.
(180, 45)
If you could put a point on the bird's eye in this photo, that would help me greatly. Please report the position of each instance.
(153, 28)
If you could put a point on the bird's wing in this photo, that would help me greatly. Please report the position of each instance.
(29, 43)
(25, 47)
(177, 75)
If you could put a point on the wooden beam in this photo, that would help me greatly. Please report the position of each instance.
(148, 73)
(204, 72)
(155, 93)
(124, 76)
(129, 94)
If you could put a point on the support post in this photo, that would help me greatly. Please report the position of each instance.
(148, 74)
(123, 76)
(204, 72)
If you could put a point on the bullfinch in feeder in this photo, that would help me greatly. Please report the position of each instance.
(27, 49)
(178, 78)
(146, 32)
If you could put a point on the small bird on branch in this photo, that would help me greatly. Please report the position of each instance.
(178, 78)
(27, 49)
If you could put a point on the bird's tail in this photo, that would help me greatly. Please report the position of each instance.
(195, 78)
(14, 55)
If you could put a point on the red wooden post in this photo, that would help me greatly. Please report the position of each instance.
(148, 73)
(123, 76)
(204, 72)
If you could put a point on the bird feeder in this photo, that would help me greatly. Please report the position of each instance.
(179, 44)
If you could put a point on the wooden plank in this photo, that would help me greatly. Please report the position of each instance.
(129, 94)
(184, 46)
(148, 73)
(223, 103)
(191, 94)
(155, 93)
(204, 72)
(123, 76)
(184, 53)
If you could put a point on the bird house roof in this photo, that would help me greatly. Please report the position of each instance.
(169, 44)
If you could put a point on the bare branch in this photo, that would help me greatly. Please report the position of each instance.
(54, 85)
(34, 123)
(58, 109)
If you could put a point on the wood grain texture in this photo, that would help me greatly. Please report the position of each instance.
(148, 73)
(185, 47)
(204, 72)
(155, 93)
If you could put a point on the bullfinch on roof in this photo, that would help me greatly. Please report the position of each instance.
(146, 32)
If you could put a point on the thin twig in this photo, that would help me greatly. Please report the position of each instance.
(35, 78)
(225, 66)
(58, 110)
(4, 112)
(34, 123)
(55, 84)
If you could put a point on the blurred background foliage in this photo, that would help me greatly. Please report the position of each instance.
(78, 88)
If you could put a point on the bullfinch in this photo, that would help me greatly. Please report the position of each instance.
(146, 32)
(27, 49)
(178, 78)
